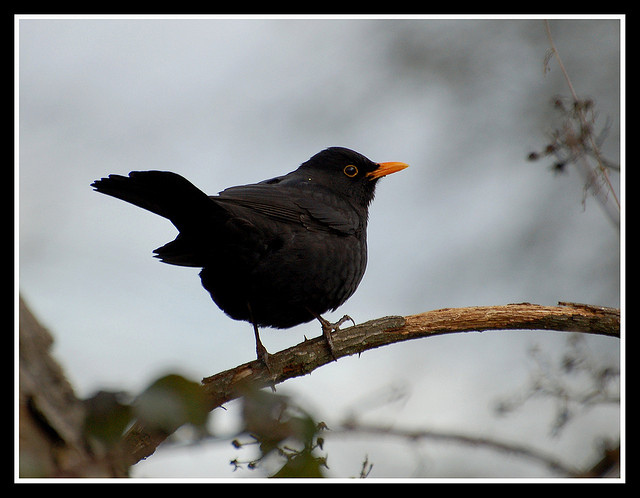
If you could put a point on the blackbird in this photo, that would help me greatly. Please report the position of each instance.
(275, 253)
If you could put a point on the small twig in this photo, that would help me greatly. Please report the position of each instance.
(559, 59)
(594, 147)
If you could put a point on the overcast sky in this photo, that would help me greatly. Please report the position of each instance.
(232, 101)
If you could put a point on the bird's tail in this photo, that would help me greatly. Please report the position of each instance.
(161, 192)
(173, 197)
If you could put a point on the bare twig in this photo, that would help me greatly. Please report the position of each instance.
(552, 378)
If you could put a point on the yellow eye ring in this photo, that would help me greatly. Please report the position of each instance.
(350, 170)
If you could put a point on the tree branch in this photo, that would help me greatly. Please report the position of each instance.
(510, 448)
(311, 354)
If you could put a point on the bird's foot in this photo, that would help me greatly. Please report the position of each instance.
(265, 358)
(328, 328)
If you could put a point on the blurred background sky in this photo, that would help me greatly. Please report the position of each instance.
(228, 101)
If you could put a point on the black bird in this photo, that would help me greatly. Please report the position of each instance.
(276, 253)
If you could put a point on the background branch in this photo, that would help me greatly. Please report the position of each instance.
(510, 448)
(140, 442)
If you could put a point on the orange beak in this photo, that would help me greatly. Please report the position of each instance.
(385, 169)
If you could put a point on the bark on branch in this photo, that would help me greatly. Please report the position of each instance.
(307, 356)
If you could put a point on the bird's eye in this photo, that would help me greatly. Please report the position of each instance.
(350, 170)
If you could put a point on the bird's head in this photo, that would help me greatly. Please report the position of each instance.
(347, 173)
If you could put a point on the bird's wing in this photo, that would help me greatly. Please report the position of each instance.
(315, 210)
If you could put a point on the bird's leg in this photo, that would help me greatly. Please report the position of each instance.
(328, 328)
(261, 351)
(263, 354)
